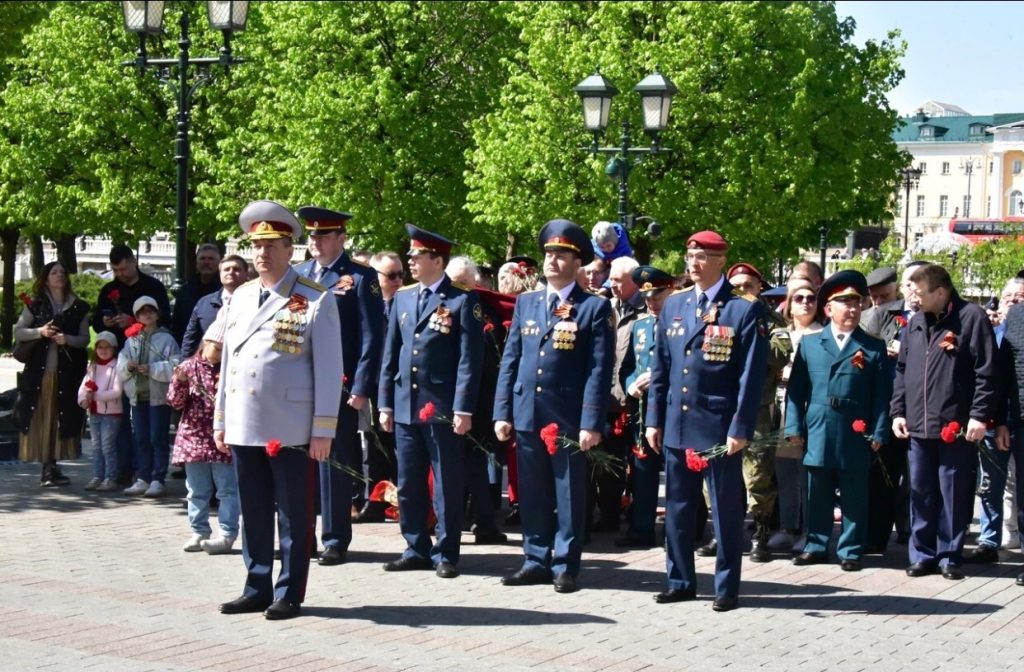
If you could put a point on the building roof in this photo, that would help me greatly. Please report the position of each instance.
(971, 128)
(934, 108)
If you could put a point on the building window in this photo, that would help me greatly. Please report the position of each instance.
(943, 206)
(1016, 166)
(926, 131)
(967, 206)
(1016, 204)
(991, 167)
(899, 205)
(923, 167)
(920, 206)
(988, 206)
(945, 167)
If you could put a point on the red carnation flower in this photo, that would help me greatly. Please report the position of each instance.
(639, 453)
(549, 435)
(694, 461)
(90, 385)
(954, 426)
(901, 321)
(488, 327)
(133, 330)
(273, 447)
(506, 323)
(619, 426)
(860, 426)
(114, 295)
(25, 298)
(427, 412)
(947, 434)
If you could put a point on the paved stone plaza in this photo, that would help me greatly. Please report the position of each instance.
(93, 581)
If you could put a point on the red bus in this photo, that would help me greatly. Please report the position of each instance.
(979, 230)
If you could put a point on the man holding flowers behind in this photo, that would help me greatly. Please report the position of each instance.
(839, 390)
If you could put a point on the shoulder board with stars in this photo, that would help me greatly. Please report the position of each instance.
(743, 295)
(407, 287)
(683, 290)
(302, 280)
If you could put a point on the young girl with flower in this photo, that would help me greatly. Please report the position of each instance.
(145, 365)
(192, 391)
(100, 394)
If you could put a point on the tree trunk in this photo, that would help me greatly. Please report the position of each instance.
(35, 247)
(9, 241)
(67, 253)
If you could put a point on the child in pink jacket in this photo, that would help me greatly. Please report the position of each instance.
(100, 394)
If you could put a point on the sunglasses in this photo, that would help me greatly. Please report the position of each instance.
(804, 298)
(393, 275)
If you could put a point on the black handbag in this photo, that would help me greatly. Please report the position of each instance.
(23, 350)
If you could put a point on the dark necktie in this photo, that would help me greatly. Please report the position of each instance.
(552, 304)
(702, 304)
(424, 297)
(841, 338)
(264, 293)
(321, 271)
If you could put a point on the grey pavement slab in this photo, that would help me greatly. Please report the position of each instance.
(98, 582)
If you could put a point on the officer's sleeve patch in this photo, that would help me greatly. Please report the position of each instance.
(375, 288)
(478, 313)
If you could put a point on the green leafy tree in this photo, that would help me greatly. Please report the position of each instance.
(780, 122)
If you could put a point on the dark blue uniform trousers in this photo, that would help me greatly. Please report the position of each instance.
(422, 448)
(683, 494)
(335, 485)
(548, 483)
(283, 485)
(941, 499)
(644, 510)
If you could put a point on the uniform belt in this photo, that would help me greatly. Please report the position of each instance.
(837, 402)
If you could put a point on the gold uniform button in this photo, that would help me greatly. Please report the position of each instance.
(415, 352)
(414, 369)
(685, 390)
(414, 386)
(685, 371)
(416, 335)
(538, 388)
(687, 353)
(542, 353)
(540, 371)
(685, 408)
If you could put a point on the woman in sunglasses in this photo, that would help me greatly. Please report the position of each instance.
(800, 311)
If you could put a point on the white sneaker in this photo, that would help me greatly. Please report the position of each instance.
(93, 483)
(155, 489)
(139, 487)
(108, 485)
(195, 542)
(218, 546)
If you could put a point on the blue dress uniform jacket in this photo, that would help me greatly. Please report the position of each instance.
(360, 309)
(436, 358)
(275, 386)
(828, 390)
(699, 399)
(540, 384)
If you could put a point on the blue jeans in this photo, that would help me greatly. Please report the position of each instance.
(150, 424)
(200, 478)
(103, 429)
(992, 473)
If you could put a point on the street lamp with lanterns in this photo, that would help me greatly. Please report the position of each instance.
(909, 179)
(144, 18)
(968, 165)
(596, 94)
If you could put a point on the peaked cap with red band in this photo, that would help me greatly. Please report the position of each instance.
(267, 220)
(322, 220)
(421, 240)
(562, 234)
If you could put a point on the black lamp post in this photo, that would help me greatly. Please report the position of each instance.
(144, 18)
(823, 243)
(596, 95)
(909, 178)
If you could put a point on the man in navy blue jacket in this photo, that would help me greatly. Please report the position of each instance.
(556, 370)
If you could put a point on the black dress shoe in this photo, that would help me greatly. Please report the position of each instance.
(633, 541)
(1020, 579)
(806, 558)
(983, 554)
(850, 565)
(489, 538)
(244, 605)
(281, 610)
(564, 584)
(332, 555)
(512, 519)
(708, 550)
(675, 595)
(446, 570)
(921, 569)
(725, 603)
(527, 577)
(952, 572)
(408, 563)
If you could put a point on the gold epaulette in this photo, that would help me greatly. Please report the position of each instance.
(412, 286)
(465, 288)
(302, 280)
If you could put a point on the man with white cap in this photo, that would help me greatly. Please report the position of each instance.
(280, 388)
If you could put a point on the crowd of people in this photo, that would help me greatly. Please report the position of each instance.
(881, 403)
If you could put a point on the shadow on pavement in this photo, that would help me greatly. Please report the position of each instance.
(417, 616)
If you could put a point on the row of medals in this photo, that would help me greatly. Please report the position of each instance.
(564, 335)
(441, 320)
(717, 343)
(289, 328)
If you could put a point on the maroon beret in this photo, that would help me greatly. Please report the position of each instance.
(707, 240)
